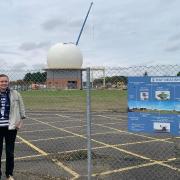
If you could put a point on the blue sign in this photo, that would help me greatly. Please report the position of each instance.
(154, 104)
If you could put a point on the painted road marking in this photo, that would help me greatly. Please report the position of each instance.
(55, 138)
(32, 146)
(107, 145)
(57, 128)
(120, 130)
(34, 131)
(125, 151)
(65, 137)
(106, 172)
(124, 169)
(68, 117)
(131, 133)
(141, 142)
(122, 150)
(60, 164)
(45, 154)
(30, 124)
(119, 119)
(26, 157)
(136, 167)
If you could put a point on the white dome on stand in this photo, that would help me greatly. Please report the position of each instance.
(64, 56)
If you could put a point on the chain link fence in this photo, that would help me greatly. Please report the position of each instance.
(77, 127)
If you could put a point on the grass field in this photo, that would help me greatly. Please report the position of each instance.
(75, 100)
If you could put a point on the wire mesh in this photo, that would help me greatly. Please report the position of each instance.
(119, 153)
(53, 142)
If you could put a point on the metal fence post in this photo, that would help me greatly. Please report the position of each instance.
(88, 118)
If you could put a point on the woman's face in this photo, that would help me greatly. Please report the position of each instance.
(4, 83)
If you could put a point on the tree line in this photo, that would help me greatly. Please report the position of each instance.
(37, 77)
(112, 80)
(29, 78)
(41, 78)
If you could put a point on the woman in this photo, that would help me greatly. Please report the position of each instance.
(12, 112)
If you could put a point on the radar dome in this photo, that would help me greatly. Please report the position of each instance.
(64, 56)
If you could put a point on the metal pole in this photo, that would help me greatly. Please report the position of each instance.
(88, 118)
(84, 23)
(104, 78)
(92, 79)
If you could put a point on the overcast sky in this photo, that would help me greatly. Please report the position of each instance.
(117, 32)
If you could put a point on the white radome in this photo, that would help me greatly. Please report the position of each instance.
(64, 56)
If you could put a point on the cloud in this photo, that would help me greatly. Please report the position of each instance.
(175, 37)
(12, 69)
(56, 23)
(76, 23)
(6, 3)
(173, 48)
(38, 66)
(28, 46)
(9, 52)
(2, 62)
(115, 32)
(18, 66)
(52, 24)
(43, 44)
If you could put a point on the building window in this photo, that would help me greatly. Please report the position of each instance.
(72, 84)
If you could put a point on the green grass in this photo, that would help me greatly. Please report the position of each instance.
(75, 100)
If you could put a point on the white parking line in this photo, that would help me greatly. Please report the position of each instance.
(119, 119)
(69, 117)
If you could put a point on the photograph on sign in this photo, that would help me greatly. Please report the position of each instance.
(161, 127)
(144, 95)
(162, 95)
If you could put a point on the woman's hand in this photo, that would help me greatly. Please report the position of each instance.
(19, 124)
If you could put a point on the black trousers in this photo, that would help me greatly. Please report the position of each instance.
(10, 137)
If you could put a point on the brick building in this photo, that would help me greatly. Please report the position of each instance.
(64, 78)
(64, 67)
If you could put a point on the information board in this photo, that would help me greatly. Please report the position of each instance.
(154, 104)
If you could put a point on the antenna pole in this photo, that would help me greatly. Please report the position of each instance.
(84, 23)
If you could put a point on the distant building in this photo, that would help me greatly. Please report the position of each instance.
(64, 67)
(64, 78)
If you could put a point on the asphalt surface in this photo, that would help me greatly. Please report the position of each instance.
(52, 145)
